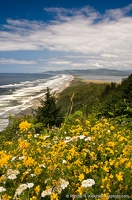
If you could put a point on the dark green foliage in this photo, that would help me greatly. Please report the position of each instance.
(126, 87)
(108, 100)
(116, 99)
(48, 113)
(86, 97)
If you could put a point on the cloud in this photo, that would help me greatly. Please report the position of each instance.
(102, 40)
(16, 62)
(118, 13)
(59, 62)
(108, 55)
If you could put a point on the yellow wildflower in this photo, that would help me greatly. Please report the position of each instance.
(24, 126)
(104, 196)
(87, 122)
(23, 144)
(121, 138)
(54, 196)
(38, 150)
(78, 162)
(129, 165)
(72, 151)
(80, 190)
(37, 170)
(28, 161)
(8, 143)
(2, 178)
(81, 177)
(77, 120)
(119, 176)
(6, 197)
(111, 176)
(37, 189)
(111, 144)
(33, 198)
(112, 128)
(92, 154)
(111, 162)
(106, 169)
(29, 135)
(4, 158)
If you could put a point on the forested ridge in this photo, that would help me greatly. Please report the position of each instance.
(105, 99)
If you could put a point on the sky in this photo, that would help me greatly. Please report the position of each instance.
(43, 35)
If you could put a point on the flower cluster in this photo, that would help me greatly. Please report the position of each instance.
(79, 158)
(12, 174)
(24, 126)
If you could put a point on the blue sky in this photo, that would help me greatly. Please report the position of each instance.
(40, 35)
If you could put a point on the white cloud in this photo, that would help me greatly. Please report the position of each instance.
(102, 40)
(108, 55)
(16, 62)
(59, 62)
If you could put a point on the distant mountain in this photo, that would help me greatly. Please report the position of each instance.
(107, 72)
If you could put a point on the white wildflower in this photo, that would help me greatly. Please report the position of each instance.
(27, 171)
(58, 189)
(2, 189)
(42, 165)
(75, 138)
(12, 177)
(67, 138)
(16, 172)
(30, 185)
(46, 192)
(21, 157)
(13, 158)
(63, 161)
(20, 189)
(46, 180)
(63, 183)
(88, 138)
(46, 136)
(88, 183)
(36, 135)
(32, 175)
(81, 137)
(11, 174)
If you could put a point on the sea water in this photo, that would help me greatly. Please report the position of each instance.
(18, 90)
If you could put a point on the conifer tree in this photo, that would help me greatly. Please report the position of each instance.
(48, 113)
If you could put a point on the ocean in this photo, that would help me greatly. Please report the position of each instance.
(18, 90)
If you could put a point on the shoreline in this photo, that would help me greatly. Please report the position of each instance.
(35, 103)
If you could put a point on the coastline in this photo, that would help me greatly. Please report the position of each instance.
(35, 103)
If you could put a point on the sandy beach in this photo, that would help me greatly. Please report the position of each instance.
(100, 81)
(35, 103)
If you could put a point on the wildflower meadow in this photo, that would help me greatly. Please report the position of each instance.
(84, 158)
